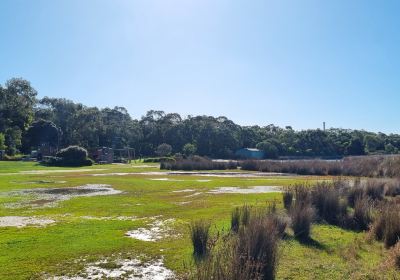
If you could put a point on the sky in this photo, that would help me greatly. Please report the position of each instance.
(286, 62)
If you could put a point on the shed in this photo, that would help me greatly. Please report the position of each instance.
(103, 155)
(250, 153)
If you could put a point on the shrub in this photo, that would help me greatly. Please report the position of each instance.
(235, 220)
(257, 248)
(374, 189)
(200, 234)
(198, 163)
(251, 254)
(163, 150)
(158, 159)
(302, 194)
(280, 223)
(354, 194)
(72, 156)
(387, 225)
(365, 166)
(287, 199)
(393, 188)
(302, 216)
(362, 215)
(326, 200)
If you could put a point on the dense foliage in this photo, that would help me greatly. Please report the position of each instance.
(25, 122)
(72, 156)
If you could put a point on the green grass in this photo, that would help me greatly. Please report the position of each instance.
(28, 253)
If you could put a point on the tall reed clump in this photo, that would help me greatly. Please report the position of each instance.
(326, 200)
(302, 213)
(257, 249)
(362, 216)
(393, 188)
(363, 166)
(240, 216)
(200, 234)
(287, 198)
(197, 163)
(386, 227)
(250, 253)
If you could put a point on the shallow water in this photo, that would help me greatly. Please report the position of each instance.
(19, 222)
(129, 269)
(155, 231)
(249, 190)
(49, 197)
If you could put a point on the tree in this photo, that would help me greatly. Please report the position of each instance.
(163, 150)
(355, 147)
(42, 132)
(373, 143)
(73, 156)
(2, 142)
(189, 149)
(390, 149)
(17, 100)
(270, 150)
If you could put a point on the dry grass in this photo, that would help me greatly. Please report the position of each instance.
(363, 166)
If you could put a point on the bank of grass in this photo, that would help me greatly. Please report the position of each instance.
(28, 252)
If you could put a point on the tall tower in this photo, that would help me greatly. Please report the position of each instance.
(323, 125)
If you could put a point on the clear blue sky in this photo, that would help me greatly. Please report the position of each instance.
(285, 62)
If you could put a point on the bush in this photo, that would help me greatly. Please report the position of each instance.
(240, 217)
(249, 254)
(163, 150)
(280, 223)
(387, 225)
(302, 213)
(375, 189)
(200, 234)
(13, 158)
(72, 156)
(393, 188)
(235, 220)
(354, 194)
(287, 199)
(326, 200)
(362, 166)
(257, 248)
(158, 159)
(362, 215)
(198, 163)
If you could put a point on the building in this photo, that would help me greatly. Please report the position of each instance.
(103, 155)
(250, 153)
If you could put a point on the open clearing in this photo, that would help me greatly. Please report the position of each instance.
(93, 224)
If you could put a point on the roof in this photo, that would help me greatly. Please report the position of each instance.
(252, 149)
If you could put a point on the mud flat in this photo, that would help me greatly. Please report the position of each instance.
(50, 197)
(156, 230)
(129, 269)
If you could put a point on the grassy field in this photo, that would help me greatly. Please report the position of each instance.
(87, 229)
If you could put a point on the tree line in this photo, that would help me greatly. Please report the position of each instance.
(27, 122)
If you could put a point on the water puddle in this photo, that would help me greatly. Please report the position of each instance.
(184, 191)
(113, 218)
(166, 179)
(156, 230)
(129, 269)
(38, 182)
(49, 197)
(193, 173)
(19, 222)
(249, 190)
